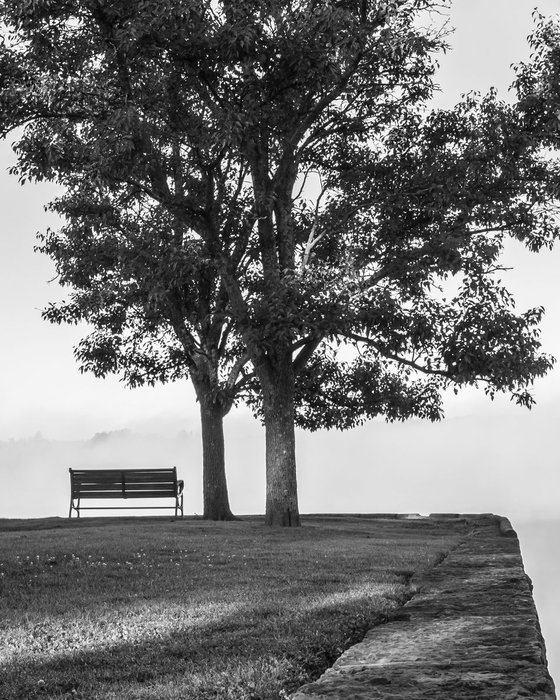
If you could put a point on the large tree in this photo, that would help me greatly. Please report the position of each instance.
(289, 148)
(156, 306)
(138, 272)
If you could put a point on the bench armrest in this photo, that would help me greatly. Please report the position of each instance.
(180, 486)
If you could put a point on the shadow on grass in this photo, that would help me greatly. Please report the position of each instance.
(219, 659)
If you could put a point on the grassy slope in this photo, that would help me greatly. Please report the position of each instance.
(156, 608)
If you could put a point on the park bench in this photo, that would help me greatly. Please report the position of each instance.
(124, 483)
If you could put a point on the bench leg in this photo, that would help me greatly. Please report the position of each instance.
(75, 507)
(179, 505)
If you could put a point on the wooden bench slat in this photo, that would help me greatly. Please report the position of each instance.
(135, 488)
(135, 479)
(128, 487)
(141, 472)
(128, 478)
(129, 494)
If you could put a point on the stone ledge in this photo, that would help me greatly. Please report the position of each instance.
(470, 633)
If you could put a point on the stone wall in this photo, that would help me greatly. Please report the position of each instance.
(471, 632)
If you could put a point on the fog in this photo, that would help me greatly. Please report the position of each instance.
(541, 556)
(505, 464)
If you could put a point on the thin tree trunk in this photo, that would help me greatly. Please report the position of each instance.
(214, 484)
(278, 407)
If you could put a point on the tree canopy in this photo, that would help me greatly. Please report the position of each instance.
(261, 189)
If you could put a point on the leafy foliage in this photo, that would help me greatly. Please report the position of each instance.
(155, 118)
(538, 81)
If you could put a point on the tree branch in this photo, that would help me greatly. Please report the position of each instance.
(397, 358)
(303, 357)
(236, 369)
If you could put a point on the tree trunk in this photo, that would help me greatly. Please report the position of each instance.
(214, 485)
(278, 408)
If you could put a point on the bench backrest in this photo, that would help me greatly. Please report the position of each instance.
(123, 483)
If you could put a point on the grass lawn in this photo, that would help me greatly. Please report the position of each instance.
(122, 608)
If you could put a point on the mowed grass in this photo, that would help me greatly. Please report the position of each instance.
(191, 610)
